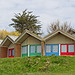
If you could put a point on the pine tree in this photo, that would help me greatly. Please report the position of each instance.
(26, 20)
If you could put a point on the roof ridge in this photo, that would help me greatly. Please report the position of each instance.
(30, 33)
(51, 33)
(62, 32)
(12, 35)
(33, 33)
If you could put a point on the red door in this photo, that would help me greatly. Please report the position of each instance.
(11, 52)
(67, 49)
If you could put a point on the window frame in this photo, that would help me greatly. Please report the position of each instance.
(66, 48)
(30, 48)
(22, 49)
(11, 55)
(9, 52)
(37, 50)
(57, 48)
(13, 52)
(50, 47)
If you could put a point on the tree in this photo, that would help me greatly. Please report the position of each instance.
(65, 27)
(4, 33)
(26, 20)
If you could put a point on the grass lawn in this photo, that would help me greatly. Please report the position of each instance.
(38, 65)
(49, 73)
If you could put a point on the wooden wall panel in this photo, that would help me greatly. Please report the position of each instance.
(33, 41)
(59, 39)
(17, 50)
(11, 46)
(4, 52)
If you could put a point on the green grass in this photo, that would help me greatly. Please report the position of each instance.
(38, 65)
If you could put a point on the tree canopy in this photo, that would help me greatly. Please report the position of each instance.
(4, 33)
(26, 20)
(65, 27)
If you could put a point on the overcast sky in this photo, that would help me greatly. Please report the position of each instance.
(48, 10)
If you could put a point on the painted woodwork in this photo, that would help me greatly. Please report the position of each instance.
(67, 50)
(35, 50)
(51, 49)
(11, 52)
(24, 51)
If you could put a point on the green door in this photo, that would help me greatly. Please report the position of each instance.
(24, 51)
(35, 50)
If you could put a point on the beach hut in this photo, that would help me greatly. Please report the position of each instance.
(30, 44)
(59, 43)
(7, 46)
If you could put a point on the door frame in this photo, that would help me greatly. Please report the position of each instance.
(50, 53)
(34, 54)
(67, 53)
(11, 52)
(24, 54)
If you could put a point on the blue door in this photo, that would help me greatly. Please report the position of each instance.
(51, 49)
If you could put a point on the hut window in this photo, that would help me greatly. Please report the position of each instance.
(9, 52)
(63, 48)
(48, 48)
(70, 48)
(32, 49)
(13, 52)
(24, 49)
(55, 48)
(38, 49)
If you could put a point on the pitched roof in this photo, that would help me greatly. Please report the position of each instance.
(59, 31)
(11, 38)
(1, 41)
(29, 33)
